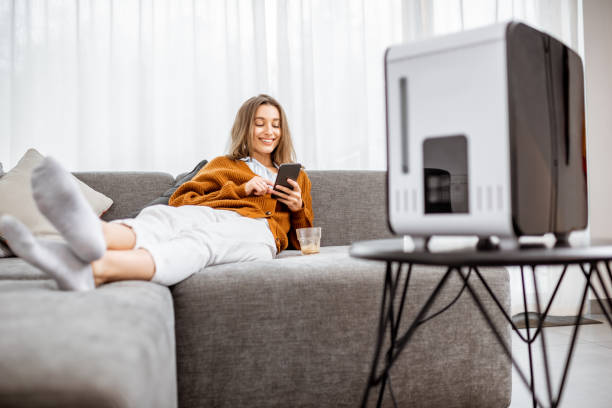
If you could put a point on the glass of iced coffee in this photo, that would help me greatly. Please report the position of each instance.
(310, 240)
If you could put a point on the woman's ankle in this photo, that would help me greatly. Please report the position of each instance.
(100, 272)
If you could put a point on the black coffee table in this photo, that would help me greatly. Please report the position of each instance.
(593, 261)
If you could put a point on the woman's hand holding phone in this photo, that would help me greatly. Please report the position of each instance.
(291, 198)
(258, 186)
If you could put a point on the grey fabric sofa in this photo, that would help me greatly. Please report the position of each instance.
(294, 331)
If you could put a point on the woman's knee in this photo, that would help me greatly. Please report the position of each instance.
(118, 235)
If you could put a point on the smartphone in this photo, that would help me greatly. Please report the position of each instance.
(285, 171)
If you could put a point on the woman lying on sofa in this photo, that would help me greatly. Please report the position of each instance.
(227, 213)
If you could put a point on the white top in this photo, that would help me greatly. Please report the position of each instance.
(259, 169)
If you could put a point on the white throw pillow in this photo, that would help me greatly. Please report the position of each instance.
(16, 197)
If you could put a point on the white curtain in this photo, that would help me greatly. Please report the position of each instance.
(155, 84)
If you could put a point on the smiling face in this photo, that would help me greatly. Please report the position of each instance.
(261, 131)
(266, 133)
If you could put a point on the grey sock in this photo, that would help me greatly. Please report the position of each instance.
(54, 258)
(58, 197)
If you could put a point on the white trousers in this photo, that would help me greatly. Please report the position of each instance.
(183, 240)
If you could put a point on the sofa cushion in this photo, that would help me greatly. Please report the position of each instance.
(300, 331)
(17, 269)
(112, 347)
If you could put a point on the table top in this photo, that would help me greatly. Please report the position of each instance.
(395, 250)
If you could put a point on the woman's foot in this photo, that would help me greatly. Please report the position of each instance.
(59, 198)
(54, 258)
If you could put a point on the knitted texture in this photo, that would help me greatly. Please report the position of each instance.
(221, 185)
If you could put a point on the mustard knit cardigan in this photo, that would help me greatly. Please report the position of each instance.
(221, 184)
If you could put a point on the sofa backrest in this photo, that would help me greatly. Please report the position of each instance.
(348, 205)
(130, 191)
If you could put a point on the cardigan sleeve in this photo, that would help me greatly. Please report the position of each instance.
(213, 182)
(302, 218)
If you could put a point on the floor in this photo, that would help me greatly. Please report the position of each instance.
(589, 383)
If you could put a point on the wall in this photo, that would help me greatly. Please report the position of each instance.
(597, 15)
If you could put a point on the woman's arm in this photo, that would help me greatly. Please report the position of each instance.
(216, 181)
(199, 192)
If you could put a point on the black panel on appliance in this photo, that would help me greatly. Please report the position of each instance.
(445, 175)
(531, 152)
(547, 133)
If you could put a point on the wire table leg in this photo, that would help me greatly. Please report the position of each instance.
(496, 333)
(610, 277)
(606, 295)
(393, 329)
(544, 353)
(381, 333)
(401, 343)
(573, 341)
(553, 400)
(387, 318)
(596, 292)
(529, 340)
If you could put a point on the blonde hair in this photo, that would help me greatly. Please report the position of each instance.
(240, 144)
